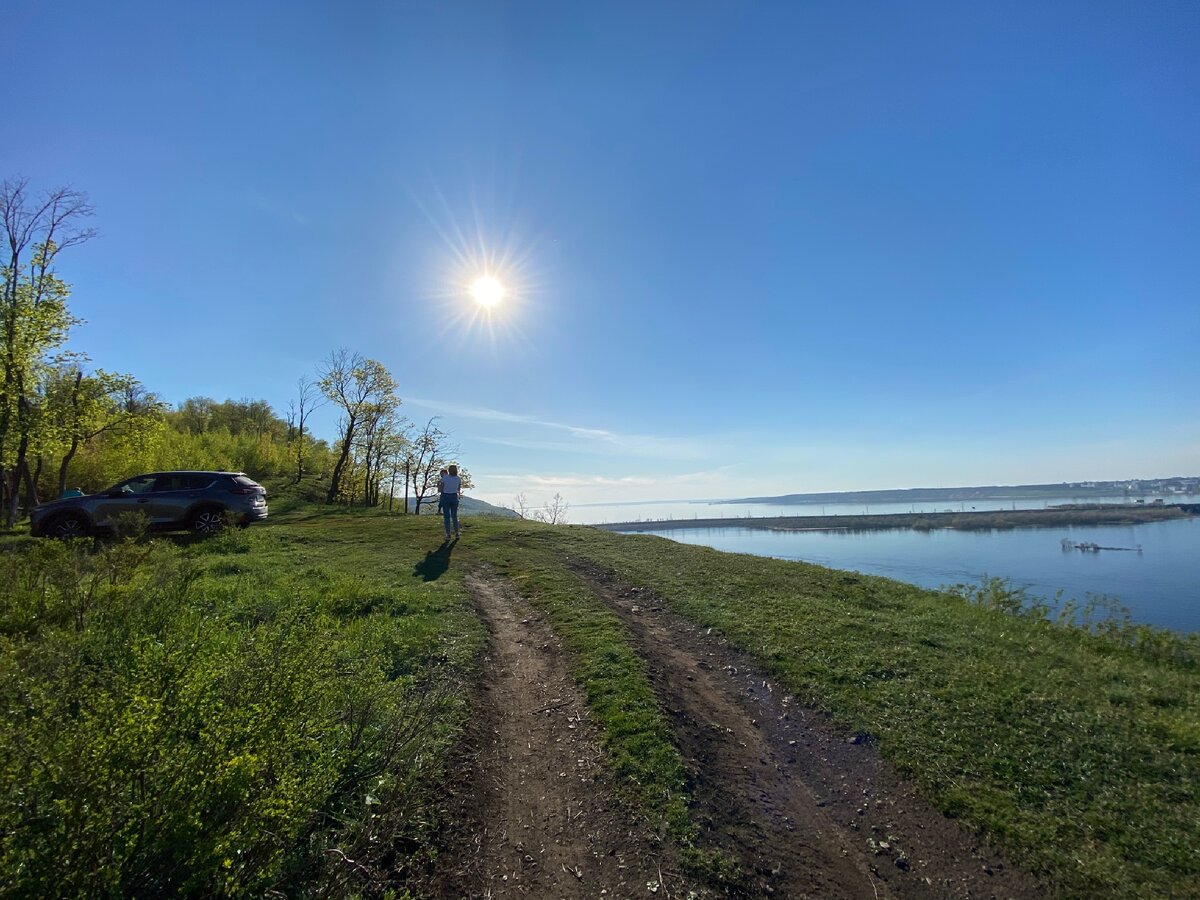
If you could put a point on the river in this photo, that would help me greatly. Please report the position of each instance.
(1160, 585)
(674, 510)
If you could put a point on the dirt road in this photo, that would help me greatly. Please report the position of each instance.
(537, 811)
(805, 811)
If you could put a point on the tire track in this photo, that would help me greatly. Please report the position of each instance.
(535, 807)
(806, 811)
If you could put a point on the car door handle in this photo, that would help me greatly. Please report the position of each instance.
(144, 500)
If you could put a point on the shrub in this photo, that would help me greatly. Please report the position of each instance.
(164, 732)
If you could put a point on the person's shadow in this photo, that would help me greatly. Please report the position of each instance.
(435, 562)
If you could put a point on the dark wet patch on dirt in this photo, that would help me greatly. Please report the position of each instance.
(805, 810)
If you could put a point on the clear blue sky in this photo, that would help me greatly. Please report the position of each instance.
(751, 247)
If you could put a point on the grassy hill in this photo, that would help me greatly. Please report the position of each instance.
(242, 714)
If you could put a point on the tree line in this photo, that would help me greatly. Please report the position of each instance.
(65, 425)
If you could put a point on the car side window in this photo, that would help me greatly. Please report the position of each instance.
(198, 482)
(140, 485)
(168, 483)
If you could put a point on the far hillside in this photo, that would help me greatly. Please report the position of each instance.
(1159, 487)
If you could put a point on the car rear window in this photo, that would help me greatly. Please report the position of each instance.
(244, 481)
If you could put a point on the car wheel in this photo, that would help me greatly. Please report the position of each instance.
(208, 521)
(69, 526)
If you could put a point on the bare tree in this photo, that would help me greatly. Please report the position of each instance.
(359, 386)
(427, 453)
(308, 399)
(521, 505)
(34, 318)
(554, 512)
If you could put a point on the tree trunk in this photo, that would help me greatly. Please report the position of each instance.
(12, 485)
(31, 485)
(300, 453)
(65, 465)
(368, 473)
(19, 473)
(336, 482)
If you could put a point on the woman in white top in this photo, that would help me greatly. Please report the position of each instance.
(449, 487)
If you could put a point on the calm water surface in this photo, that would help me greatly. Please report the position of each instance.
(673, 510)
(1160, 585)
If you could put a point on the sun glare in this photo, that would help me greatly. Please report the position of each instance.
(487, 291)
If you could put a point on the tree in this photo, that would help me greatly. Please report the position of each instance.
(393, 453)
(425, 458)
(360, 387)
(34, 318)
(195, 414)
(553, 513)
(82, 407)
(308, 398)
(521, 505)
(380, 437)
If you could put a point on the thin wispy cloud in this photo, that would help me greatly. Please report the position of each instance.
(588, 439)
(282, 213)
(569, 480)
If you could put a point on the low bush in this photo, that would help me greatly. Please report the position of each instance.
(186, 721)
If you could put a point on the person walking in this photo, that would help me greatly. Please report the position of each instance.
(450, 486)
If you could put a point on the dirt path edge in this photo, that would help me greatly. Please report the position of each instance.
(773, 768)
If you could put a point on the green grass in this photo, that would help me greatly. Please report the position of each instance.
(246, 713)
(1079, 754)
(228, 716)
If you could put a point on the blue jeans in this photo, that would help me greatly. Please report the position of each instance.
(450, 512)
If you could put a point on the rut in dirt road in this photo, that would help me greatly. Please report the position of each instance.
(805, 811)
(536, 814)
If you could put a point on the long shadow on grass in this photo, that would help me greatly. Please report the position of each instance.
(435, 562)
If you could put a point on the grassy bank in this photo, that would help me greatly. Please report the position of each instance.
(274, 709)
(1079, 753)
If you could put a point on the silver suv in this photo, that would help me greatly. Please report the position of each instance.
(200, 501)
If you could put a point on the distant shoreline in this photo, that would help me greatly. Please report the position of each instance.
(1115, 514)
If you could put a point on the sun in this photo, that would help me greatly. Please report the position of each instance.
(487, 291)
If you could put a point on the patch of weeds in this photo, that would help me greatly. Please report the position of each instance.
(230, 539)
(188, 718)
(714, 866)
(1100, 616)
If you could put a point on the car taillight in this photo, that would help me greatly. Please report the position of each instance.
(242, 490)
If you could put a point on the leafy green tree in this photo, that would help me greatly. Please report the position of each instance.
(362, 388)
(377, 438)
(81, 408)
(34, 317)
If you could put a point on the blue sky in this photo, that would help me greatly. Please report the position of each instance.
(751, 248)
